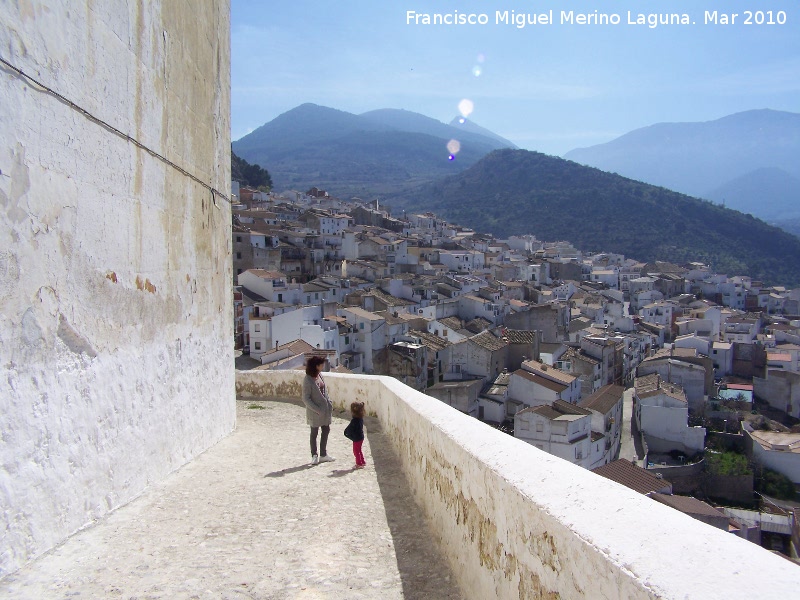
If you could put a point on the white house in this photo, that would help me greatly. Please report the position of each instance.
(775, 450)
(462, 261)
(560, 428)
(566, 386)
(305, 323)
(662, 414)
(700, 344)
(605, 406)
(271, 285)
(370, 333)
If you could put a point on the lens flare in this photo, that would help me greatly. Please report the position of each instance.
(481, 58)
(451, 157)
(453, 146)
(462, 120)
(465, 107)
(476, 70)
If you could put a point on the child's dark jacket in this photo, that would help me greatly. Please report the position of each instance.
(355, 430)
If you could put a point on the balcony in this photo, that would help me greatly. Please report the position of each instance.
(250, 517)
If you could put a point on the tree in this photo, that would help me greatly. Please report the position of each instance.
(250, 175)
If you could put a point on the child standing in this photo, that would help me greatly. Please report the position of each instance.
(355, 431)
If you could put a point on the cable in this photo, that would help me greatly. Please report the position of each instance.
(214, 192)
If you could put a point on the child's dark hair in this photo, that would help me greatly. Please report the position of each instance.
(357, 409)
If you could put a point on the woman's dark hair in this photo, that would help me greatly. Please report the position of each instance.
(312, 364)
(357, 410)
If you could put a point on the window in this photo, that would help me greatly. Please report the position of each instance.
(361, 325)
(540, 427)
(238, 255)
(258, 345)
(523, 425)
(238, 238)
(257, 327)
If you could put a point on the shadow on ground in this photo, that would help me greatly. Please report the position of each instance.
(424, 571)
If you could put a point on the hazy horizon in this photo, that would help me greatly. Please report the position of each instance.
(550, 87)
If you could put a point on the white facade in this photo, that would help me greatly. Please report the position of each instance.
(701, 345)
(260, 332)
(462, 261)
(777, 451)
(664, 420)
(566, 436)
(307, 324)
(531, 391)
(116, 311)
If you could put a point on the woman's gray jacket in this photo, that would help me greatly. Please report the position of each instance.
(319, 410)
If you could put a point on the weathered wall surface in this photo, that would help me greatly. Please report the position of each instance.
(516, 522)
(115, 307)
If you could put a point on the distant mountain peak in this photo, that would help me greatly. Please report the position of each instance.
(694, 158)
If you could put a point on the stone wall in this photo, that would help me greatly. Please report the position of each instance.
(516, 522)
(115, 305)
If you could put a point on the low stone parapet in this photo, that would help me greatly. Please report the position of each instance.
(516, 522)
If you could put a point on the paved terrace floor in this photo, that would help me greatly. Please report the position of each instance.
(251, 518)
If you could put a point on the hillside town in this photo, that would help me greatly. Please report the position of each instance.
(651, 374)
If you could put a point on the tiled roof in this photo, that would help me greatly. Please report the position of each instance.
(314, 287)
(478, 324)
(387, 299)
(488, 341)
(604, 399)
(638, 479)
(546, 383)
(546, 372)
(568, 408)
(516, 336)
(688, 505)
(434, 342)
(557, 409)
(652, 384)
(453, 323)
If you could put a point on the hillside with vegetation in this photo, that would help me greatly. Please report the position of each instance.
(249, 175)
(379, 152)
(517, 192)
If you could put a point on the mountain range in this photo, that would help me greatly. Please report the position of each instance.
(516, 192)
(374, 153)
(749, 161)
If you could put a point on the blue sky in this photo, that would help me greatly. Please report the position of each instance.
(549, 88)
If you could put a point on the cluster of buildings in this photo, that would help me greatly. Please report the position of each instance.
(536, 337)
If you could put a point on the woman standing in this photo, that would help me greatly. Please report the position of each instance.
(319, 410)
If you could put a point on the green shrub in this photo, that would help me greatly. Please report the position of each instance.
(776, 485)
(728, 463)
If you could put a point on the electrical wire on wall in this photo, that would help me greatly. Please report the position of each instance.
(42, 87)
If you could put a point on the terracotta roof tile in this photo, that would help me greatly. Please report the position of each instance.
(604, 399)
(638, 479)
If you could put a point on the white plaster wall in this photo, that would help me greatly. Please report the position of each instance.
(787, 463)
(516, 522)
(115, 305)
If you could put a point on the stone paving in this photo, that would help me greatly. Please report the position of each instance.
(251, 518)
